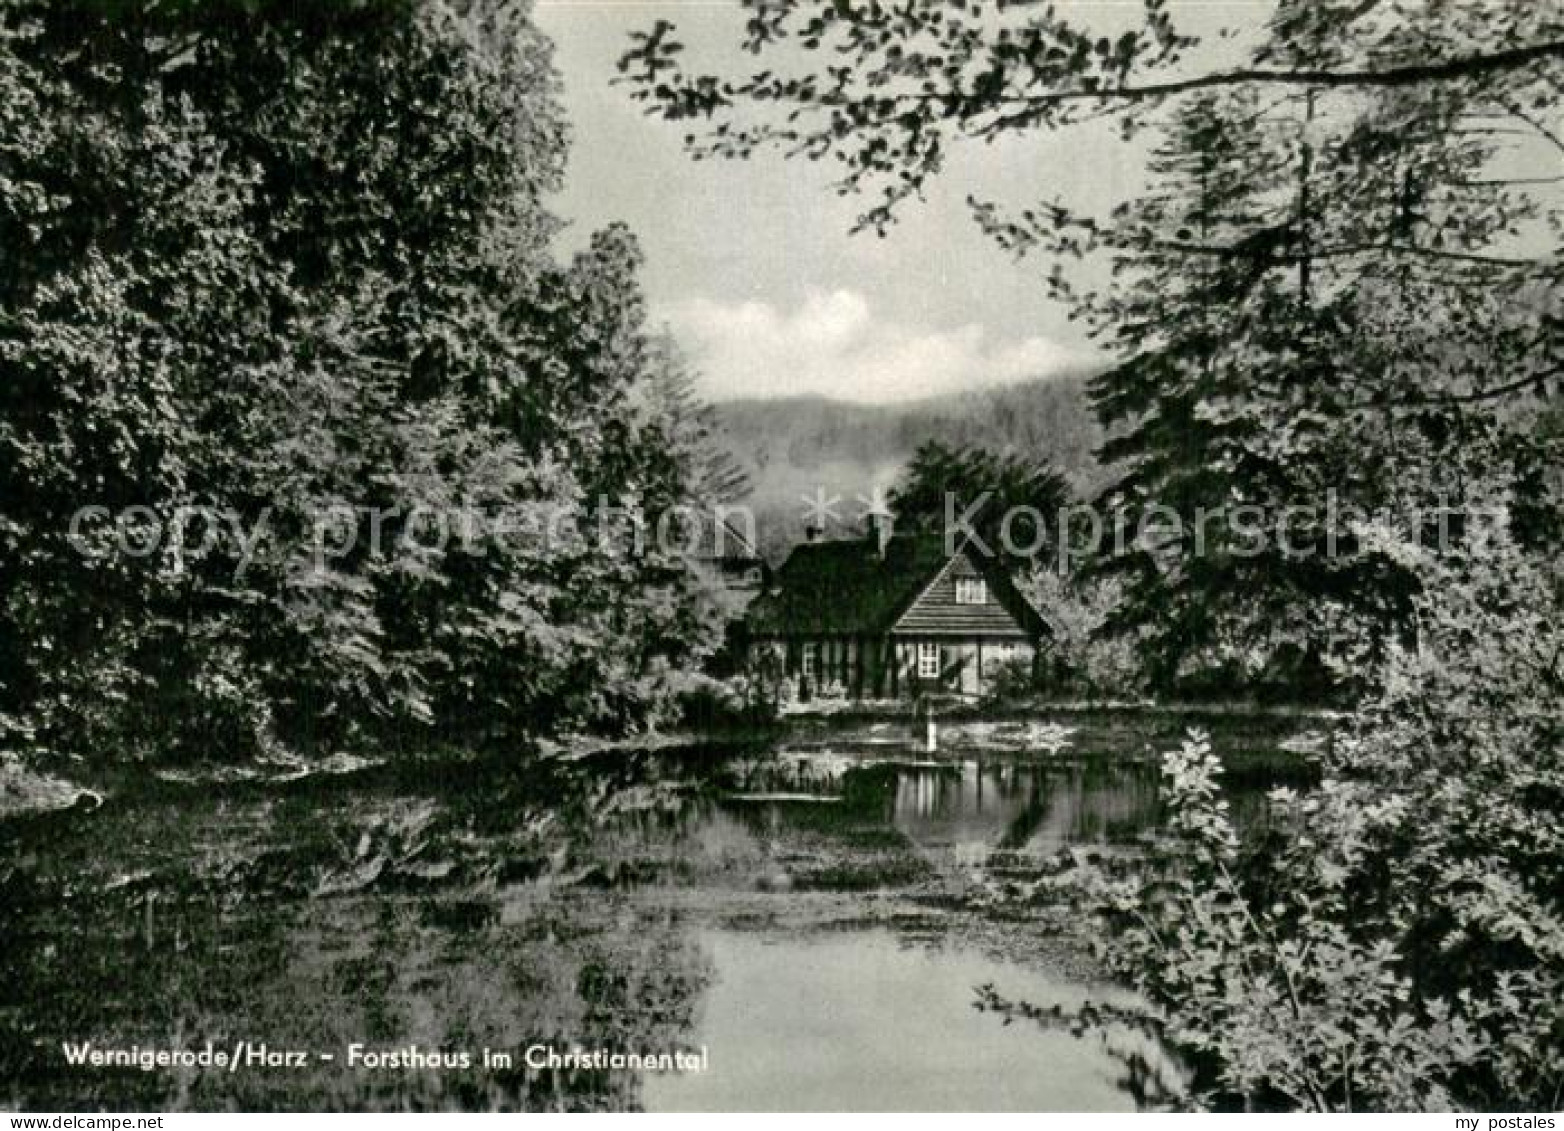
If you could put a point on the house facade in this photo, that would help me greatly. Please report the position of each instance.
(893, 617)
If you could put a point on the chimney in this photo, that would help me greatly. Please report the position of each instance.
(879, 523)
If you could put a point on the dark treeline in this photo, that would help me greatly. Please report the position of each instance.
(290, 264)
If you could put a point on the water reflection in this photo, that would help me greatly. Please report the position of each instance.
(588, 902)
(970, 808)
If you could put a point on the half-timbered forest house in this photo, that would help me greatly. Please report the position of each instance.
(892, 617)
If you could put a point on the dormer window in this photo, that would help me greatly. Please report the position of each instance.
(971, 591)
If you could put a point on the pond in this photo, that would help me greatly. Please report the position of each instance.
(796, 922)
(864, 1020)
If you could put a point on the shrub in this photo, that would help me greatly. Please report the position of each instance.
(1010, 679)
(1394, 939)
(741, 699)
(1084, 658)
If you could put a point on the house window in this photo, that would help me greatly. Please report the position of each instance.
(928, 660)
(971, 591)
(809, 660)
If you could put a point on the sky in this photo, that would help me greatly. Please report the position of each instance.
(751, 265)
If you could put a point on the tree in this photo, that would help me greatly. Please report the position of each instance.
(689, 427)
(1375, 948)
(1012, 503)
(282, 298)
(909, 83)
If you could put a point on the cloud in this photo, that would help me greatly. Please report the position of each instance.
(833, 344)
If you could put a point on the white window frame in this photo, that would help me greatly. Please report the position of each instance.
(971, 591)
(928, 660)
(809, 659)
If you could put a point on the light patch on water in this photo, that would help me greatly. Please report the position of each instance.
(858, 1021)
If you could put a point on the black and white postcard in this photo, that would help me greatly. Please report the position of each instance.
(782, 555)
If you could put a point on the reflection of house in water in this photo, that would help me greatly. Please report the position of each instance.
(964, 807)
(972, 808)
(1093, 805)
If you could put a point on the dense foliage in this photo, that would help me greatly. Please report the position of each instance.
(1394, 939)
(279, 301)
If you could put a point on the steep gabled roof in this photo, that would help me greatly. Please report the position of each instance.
(933, 611)
(843, 587)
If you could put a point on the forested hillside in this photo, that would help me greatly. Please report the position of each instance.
(792, 446)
